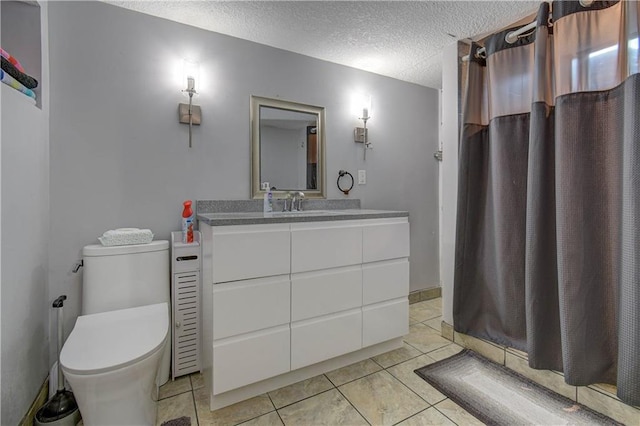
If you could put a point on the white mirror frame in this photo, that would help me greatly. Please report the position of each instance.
(256, 103)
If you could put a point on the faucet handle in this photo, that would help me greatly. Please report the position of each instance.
(299, 195)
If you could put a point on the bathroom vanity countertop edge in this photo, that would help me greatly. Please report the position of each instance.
(254, 218)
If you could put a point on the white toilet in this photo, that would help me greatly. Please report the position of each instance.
(113, 358)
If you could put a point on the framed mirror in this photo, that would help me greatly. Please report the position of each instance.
(287, 148)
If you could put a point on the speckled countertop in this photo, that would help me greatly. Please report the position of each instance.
(249, 212)
(251, 218)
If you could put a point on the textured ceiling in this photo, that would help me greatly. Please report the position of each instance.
(398, 39)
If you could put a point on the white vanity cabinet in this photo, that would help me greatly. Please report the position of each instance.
(251, 304)
(241, 252)
(326, 282)
(323, 245)
(385, 279)
(292, 300)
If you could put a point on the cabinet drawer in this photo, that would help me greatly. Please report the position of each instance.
(186, 258)
(385, 321)
(252, 251)
(250, 305)
(322, 338)
(385, 239)
(324, 292)
(325, 245)
(385, 280)
(239, 361)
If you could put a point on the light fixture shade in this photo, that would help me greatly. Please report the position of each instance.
(190, 74)
(364, 107)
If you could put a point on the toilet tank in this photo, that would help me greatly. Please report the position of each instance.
(120, 277)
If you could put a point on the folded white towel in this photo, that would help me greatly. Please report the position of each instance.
(126, 236)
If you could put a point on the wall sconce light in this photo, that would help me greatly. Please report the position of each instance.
(188, 113)
(360, 133)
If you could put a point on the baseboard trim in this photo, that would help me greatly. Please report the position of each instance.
(427, 294)
(447, 330)
(40, 400)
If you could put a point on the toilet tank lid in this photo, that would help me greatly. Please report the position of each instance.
(100, 250)
(111, 340)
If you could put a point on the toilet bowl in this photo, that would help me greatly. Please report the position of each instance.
(111, 359)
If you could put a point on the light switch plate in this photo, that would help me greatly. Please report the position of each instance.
(362, 177)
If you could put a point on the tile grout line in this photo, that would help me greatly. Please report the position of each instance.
(353, 406)
(259, 415)
(274, 408)
(171, 396)
(413, 415)
(414, 392)
(195, 407)
(304, 399)
(280, 417)
(401, 362)
(450, 419)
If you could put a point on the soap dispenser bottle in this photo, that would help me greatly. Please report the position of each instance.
(267, 206)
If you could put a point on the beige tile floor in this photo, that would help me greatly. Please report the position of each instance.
(382, 390)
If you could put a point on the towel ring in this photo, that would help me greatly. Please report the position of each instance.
(341, 174)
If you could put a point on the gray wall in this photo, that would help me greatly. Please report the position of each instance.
(25, 220)
(119, 157)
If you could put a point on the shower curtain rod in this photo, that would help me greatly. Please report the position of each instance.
(510, 38)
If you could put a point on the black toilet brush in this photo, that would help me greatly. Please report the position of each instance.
(61, 409)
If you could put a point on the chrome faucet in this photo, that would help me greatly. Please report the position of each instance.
(286, 202)
(297, 196)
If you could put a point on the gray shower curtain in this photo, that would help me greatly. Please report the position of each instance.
(548, 239)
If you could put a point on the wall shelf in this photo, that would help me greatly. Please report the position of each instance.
(21, 36)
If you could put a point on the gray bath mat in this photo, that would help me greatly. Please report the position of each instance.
(498, 396)
(180, 421)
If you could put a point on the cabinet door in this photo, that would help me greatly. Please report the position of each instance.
(250, 305)
(385, 321)
(324, 292)
(324, 245)
(385, 280)
(326, 337)
(186, 317)
(246, 359)
(384, 239)
(250, 251)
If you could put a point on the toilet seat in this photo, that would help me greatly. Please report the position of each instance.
(111, 340)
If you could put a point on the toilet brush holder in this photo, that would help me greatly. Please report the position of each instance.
(61, 409)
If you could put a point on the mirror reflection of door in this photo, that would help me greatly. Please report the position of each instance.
(288, 157)
(312, 157)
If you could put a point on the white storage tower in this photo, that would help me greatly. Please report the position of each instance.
(186, 306)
